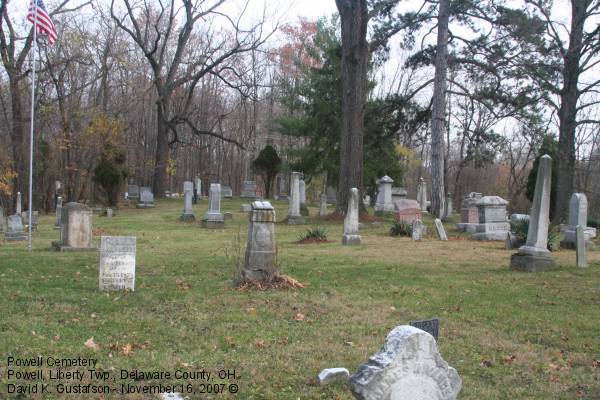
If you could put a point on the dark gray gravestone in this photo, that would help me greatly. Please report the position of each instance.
(431, 326)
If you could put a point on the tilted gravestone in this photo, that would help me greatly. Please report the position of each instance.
(408, 366)
(534, 256)
(294, 217)
(14, 229)
(213, 218)
(578, 211)
(146, 198)
(383, 203)
(76, 228)
(260, 259)
(493, 221)
(117, 262)
(351, 236)
(439, 229)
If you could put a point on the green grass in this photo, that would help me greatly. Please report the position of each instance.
(538, 334)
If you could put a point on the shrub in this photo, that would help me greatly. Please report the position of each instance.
(521, 227)
(593, 223)
(316, 234)
(401, 228)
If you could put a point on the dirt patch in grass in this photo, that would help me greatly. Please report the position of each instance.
(277, 282)
(100, 232)
(313, 240)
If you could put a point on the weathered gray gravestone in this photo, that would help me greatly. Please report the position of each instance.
(188, 185)
(302, 192)
(351, 236)
(449, 205)
(398, 193)
(294, 217)
(417, 230)
(76, 228)
(109, 213)
(493, 221)
(226, 191)
(408, 366)
(19, 204)
(469, 213)
(14, 229)
(248, 190)
(581, 248)
(439, 229)
(197, 190)
(213, 217)
(133, 192)
(34, 217)
(578, 210)
(146, 198)
(323, 205)
(534, 256)
(246, 208)
(383, 203)
(117, 262)
(188, 213)
(59, 206)
(260, 260)
(422, 194)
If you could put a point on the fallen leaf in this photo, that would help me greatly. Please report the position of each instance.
(182, 285)
(259, 343)
(127, 349)
(90, 344)
(299, 317)
(56, 337)
(509, 359)
(251, 310)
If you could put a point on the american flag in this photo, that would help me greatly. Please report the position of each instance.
(44, 22)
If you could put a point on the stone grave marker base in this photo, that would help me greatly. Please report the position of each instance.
(60, 247)
(12, 237)
(187, 218)
(531, 263)
(295, 220)
(351, 240)
(144, 205)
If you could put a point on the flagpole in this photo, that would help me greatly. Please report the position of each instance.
(35, 9)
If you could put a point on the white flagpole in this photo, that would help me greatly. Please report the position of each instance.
(34, 2)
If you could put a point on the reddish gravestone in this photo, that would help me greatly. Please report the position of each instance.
(407, 210)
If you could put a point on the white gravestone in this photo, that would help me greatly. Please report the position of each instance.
(408, 367)
(76, 228)
(417, 230)
(578, 211)
(261, 253)
(384, 202)
(213, 217)
(351, 236)
(581, 248)
(146, 198)
(14, 229)
(302, 192)
(117, 262)
(109, 213)
(19, 204)
(59, 206)
(188, 213)
(439, 229)
(534, 256)
(323, 205)
(188, 185)
(422, 194)
(294, 217)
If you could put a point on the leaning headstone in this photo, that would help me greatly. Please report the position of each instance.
(133, 192)
(407, 210)
(19, 204)
(534, 256)
(294, 217)
(383, 203)
(76, 228)
(431, 326)
(351, 236)
(469, 213)
(408, 366)
(146, 198)
(248, 190)
(439, 229)
(493, 221)
(213, 217)
(117, 262)
(323, 205)
(14, 229)
(59, 206)
(226, 191)
(260, 260)
(188, 212)
(422, 194)
(417, 230)
(578, 210)
(302, 194)
(581, 247)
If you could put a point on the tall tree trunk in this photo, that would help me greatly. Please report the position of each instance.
(162, 153)
(438, 119)
(355, 59)
(567, 113)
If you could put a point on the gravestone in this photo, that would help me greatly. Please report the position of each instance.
(188, 185)
(248, 190)
(1, 219)
(294, 217)
(133, 192)
(323, 205)
(407, 210)
(34, 217)
(331, 195)
(418, 230)
(408, 367)
(59, 206)
(439, 229)
(449, 206)
(146, 198)
(493, 221)
(516, 218)
(246, 208)
(469, 213)
(398, 193)
(581, 247)
(14, 229)
(431, 326)
(261, 255)
(384, 204)
(117, 262)
(302, 191)
(19, 204)
(213, 218)
(578, 212)
(188, 212)
(422, 194)
(76, 228)
(109, 213)
(351, 236)
(197, 189)
(226, 191)
(534, 256)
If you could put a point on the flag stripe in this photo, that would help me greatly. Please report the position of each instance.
(43, 22)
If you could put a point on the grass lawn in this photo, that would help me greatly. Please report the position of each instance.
(510, 335)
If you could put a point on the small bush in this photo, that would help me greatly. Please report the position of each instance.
(554, 237)
(593, 223)
(401, 228)
(315, 234)
(521, 227)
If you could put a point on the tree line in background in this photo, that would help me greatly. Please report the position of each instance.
(159, 92)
